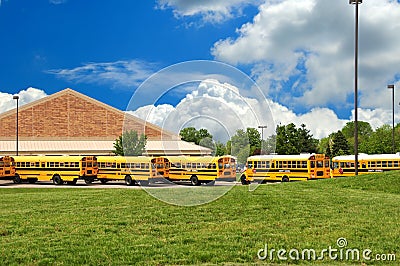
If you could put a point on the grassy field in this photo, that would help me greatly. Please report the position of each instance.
(127, 226)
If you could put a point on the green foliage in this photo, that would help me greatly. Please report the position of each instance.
(240, 146)
(244, 144)
(129, 227)
(364, 129)
(269, 145)
(200, 137)
(323, 145)
(189, 134)
(338, 145)
(364, 132)
(293, 140)
(380, 141)
(220, 149)
(130, 144)
(371, 141)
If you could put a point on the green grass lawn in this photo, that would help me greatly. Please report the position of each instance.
(128, 226)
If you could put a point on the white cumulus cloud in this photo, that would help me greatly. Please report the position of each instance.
(213, 11)
(25, 96)
(221, 109)
(218, 107)
(308, 46)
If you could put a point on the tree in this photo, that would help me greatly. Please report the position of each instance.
(380, 141)
(239, 146)
(254, 139)
(292, 140)
(200, 137)
(244, 144)
(324, 145)
(306, 142)
(339, 145)
(201, 134)
(364, 129)
(269, 145)
(364, 132)
(189, 134)
(220, 149)
(130, 144)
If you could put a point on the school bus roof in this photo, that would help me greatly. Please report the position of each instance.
(303, 156)
(363, 156)
(195, 159)
(124, 159)
(30, 158)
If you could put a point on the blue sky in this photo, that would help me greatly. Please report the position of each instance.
(300, 52)
(39, 36)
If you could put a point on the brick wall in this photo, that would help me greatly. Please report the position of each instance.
(71, 116)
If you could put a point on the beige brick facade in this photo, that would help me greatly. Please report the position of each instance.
(72, 115)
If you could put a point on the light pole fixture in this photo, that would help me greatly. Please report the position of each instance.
(356, 3)
(391, 86)
(16, 97)
(262, 136)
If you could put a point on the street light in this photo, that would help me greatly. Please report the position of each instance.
(356, 2)
(391, 86)
(262, 136)
(16, 97)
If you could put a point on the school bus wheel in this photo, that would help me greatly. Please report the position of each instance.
(88, 181)
(103, 180)
(57, 180)
(194, 180)
(243, 180)
(17, 179)
(128, 180)
(285, 178)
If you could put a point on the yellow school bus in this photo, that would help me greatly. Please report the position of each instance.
(285, 168)
(130, 169)
(200, 170)
(7, 168)
(367, 164)
(58, 169)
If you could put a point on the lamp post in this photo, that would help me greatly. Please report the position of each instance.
(262, 136)
(16, 97)
(391, 86)
(356, 2)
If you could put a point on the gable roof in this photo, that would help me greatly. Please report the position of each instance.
(128, 118)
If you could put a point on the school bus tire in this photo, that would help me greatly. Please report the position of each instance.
(103, 180)
(285, 178)
(243, 180)
(17, 179)
(194, 181)
(88, 181)
(57, 180)
(129, 181)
